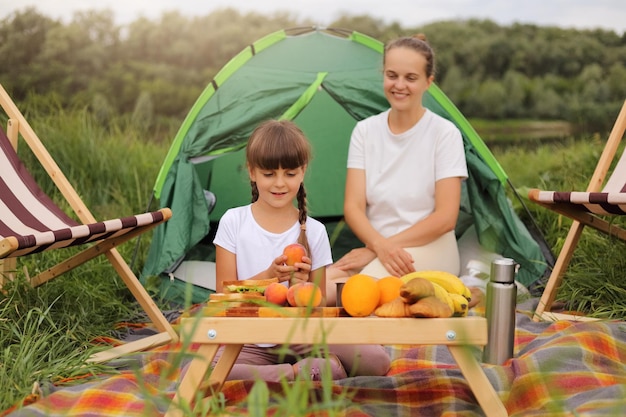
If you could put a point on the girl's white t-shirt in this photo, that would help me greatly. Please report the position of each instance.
(401, 170)
(256, 248)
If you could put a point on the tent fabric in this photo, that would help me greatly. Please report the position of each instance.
(325, 80)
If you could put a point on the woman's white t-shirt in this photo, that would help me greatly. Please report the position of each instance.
(401, 170)
(256, 248)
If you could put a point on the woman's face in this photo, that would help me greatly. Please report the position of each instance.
(405, 79)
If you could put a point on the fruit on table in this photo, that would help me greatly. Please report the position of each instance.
(276, 293)
(294, 253)
(307, 294)
(461, 304)
(389, 288)
(448, 281)
(291, 294)
(360, 295)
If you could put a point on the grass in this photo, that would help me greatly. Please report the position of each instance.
(46, 332)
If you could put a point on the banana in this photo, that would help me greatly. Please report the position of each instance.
(461, 304)
(448, 281)
(406, 278)
(443, 295)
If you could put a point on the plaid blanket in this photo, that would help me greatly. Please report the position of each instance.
(559, 369)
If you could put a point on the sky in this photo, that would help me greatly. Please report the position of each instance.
(577, 14)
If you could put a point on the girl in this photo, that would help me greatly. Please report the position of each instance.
(403, 183)
(249, 245)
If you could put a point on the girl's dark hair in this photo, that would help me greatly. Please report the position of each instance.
(278, 144)
(419, 44)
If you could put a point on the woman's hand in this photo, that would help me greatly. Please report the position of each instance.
(355, 260)
(395, 259)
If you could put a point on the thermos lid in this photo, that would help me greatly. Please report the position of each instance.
(503, 270)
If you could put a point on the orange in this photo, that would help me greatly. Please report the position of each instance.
(389, 288)
(360, 295)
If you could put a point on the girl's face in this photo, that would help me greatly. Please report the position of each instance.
(405, 79)
(277, 187)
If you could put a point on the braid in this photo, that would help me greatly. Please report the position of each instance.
(255, 191)
(302, 215)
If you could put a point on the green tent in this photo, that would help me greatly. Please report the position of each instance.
(325, 80)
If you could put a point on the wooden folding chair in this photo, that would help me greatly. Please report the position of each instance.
(589, 208)
(30, 222)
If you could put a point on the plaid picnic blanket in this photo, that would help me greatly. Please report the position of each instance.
(559, 369)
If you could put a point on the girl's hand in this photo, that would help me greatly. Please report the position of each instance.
(300, 271)
(296, 273)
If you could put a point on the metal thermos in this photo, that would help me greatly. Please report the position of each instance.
(500, 311)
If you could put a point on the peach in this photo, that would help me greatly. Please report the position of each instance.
(308, 294)
(276, 293)
(291, 294)
(294, 253)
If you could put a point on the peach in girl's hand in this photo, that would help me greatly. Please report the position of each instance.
(294, 253)
(276, 293)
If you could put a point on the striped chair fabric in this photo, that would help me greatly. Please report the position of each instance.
(31, 222)
(611, 201)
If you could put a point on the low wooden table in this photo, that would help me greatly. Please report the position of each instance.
(326, 325)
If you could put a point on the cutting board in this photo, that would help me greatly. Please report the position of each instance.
(222, 310)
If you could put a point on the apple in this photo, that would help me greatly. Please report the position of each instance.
(294, 253)
(276, 293)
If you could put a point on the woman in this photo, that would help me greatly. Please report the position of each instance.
(403, 183)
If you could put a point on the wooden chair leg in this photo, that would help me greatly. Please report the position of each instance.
(556, 277)
(7, 270)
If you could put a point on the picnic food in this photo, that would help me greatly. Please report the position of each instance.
(294, 253)
(461, 304)
(244, 292)
(431, 307)
(415, 289)
(307, 294)
(389, 288)
(448, 281)
(394, 308)
(276, 293)
(248, 286)
(360, 295)
(291, 294)
(421, 297)
(428, 307)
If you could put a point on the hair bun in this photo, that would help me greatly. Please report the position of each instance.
(421, 37)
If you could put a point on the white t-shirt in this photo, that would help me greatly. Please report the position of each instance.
(239, 233)
(401, 170)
